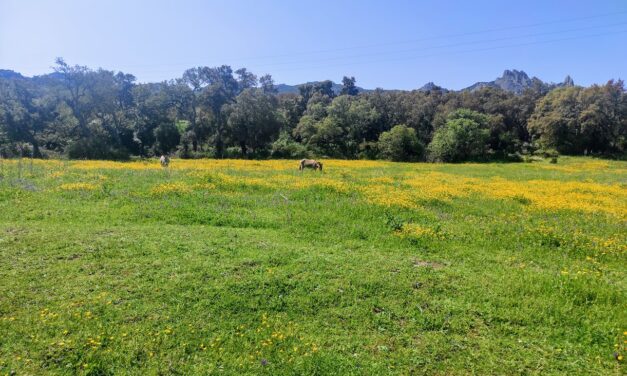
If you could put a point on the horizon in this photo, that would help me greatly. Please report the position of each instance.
(338, 82)
(456, 46)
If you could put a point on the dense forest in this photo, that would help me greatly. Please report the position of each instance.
(78, 112)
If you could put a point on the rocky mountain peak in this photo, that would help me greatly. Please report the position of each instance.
(430, 86)
(568, 81)
(514, 81)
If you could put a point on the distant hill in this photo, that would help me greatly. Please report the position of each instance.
(430, 86)
(514, 81)
(518, 81)
(286, 89)
(9, 74)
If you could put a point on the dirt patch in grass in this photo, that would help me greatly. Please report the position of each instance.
(428, 264)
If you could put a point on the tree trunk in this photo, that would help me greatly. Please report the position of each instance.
(219, 147)
(36, 151)
(244, 149)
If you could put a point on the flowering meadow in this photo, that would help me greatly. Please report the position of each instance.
(367, 268)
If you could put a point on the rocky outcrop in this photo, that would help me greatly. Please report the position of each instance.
(514, 81)
(430, 86)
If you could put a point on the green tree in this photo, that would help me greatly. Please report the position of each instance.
(603, 118)
(253, 120)
(100, 102)
(464, 136)
(575, 120)
(195, 106)
(77, 83)
(400, 144)
(167, 137)
(245, 79)
(340, 128)
(286, 147)
(348, 86)
(23, 118)
(554, 123)
(267, 84)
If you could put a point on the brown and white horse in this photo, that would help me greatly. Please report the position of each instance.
(309, 163)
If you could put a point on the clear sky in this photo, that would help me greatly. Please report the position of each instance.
(390, 44)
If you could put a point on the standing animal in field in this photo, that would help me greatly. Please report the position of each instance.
(164, 160)
(310, 163)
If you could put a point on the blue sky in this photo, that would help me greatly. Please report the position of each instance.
(390, 44)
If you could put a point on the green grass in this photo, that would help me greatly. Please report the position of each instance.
(247, 279)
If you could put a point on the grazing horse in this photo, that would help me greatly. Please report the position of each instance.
(309, 163)
(164, 160)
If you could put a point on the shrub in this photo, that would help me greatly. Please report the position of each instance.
(233, 152)
(93, 148)
(368, 150)
(167, 138)
(286, 147)
(514, 157)
(400, 144)
(547, 153)
(464, 136)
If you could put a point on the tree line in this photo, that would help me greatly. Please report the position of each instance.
(78, 112)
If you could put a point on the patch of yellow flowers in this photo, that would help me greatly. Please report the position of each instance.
(546, 195)
(379, 183)
(221, 164)
(78, 187)
(176, 187)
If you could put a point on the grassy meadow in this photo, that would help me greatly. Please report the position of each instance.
(368, 268)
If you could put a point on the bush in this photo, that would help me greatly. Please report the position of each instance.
(464, 136)
(233, 152)
(199, 154)
(93, 148)
(167, 138)
(532, 158)
(400, 144)
(368, 150)
(514, 157)
(286, 147)
(9, 151)
(547, 153)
